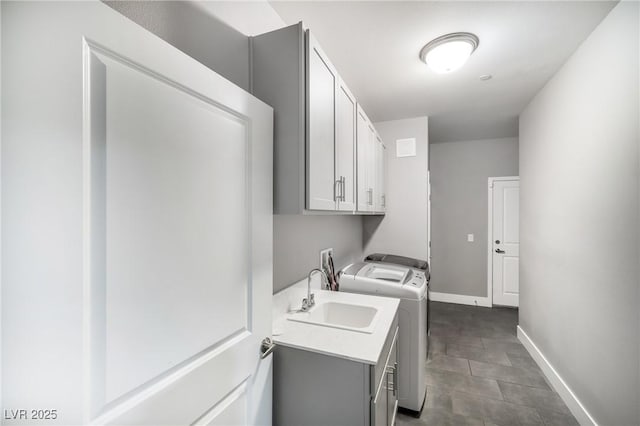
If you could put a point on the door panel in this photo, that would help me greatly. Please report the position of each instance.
(228, 411)
(377, 199)
(371, 166)
(379, 175)
(510, 278)
(380, 405)
(506, 242)
(171, 170)
(511, 215)
(392, 382)
(160, 293)
(362, 164)
(321, 104)
(382, 176)
(345, 147)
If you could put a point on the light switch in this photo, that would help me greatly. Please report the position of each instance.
(470, 238)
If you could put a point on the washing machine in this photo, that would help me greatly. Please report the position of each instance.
(410, 286)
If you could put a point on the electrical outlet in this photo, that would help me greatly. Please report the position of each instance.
(324, 258)
(470, 238)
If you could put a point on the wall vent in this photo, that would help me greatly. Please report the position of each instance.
(406, 147)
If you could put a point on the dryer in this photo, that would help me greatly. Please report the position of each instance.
(410, 286)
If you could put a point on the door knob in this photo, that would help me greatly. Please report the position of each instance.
(500, 251)
(497, 241)
(266, 347)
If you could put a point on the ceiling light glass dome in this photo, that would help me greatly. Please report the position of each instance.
(449, 52)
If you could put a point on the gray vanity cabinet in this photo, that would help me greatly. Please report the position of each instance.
(320, 389)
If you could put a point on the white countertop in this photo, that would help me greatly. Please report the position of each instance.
(347, 344)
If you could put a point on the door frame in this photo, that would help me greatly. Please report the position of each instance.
(491, 181)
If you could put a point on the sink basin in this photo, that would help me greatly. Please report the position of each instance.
(339, 315)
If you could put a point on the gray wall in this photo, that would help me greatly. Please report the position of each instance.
(200, 35)
(459, 173)
(403, 230)
(296, 239)
(579, 170)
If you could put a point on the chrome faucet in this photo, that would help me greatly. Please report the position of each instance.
(310, 301)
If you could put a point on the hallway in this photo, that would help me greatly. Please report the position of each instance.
(478, 373)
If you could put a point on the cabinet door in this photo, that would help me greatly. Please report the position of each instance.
(377, 202)
(362, 164)
(392, 384)
(382, 173)
(320, 115)
(345, 148)
(379, 192)
(371, 167)
(380, 405)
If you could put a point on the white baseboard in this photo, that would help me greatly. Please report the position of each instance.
(570, 399)
(459, 299)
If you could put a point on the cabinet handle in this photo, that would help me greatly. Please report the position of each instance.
(384, 200)
(336, 192)
(391, 385)
(395, 378)
(266, 347)
(344, 189)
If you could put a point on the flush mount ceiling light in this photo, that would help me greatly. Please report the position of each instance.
(449, 52)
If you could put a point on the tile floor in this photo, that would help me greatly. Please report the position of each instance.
(478, 373)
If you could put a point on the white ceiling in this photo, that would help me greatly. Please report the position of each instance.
(375, 46)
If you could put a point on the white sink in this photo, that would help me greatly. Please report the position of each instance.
(339, 315)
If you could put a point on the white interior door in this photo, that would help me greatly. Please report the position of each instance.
(137, 226)
(506, 241)
(321, 130)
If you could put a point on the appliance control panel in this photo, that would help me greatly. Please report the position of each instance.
(418, 279)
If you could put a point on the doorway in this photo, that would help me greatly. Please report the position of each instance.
(503, 260)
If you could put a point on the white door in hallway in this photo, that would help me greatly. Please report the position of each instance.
(136, 227)
(505, 241)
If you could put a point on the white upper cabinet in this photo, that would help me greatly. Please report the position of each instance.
(319, 164)
(371, 197)
(346, 109)
(322, 81)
